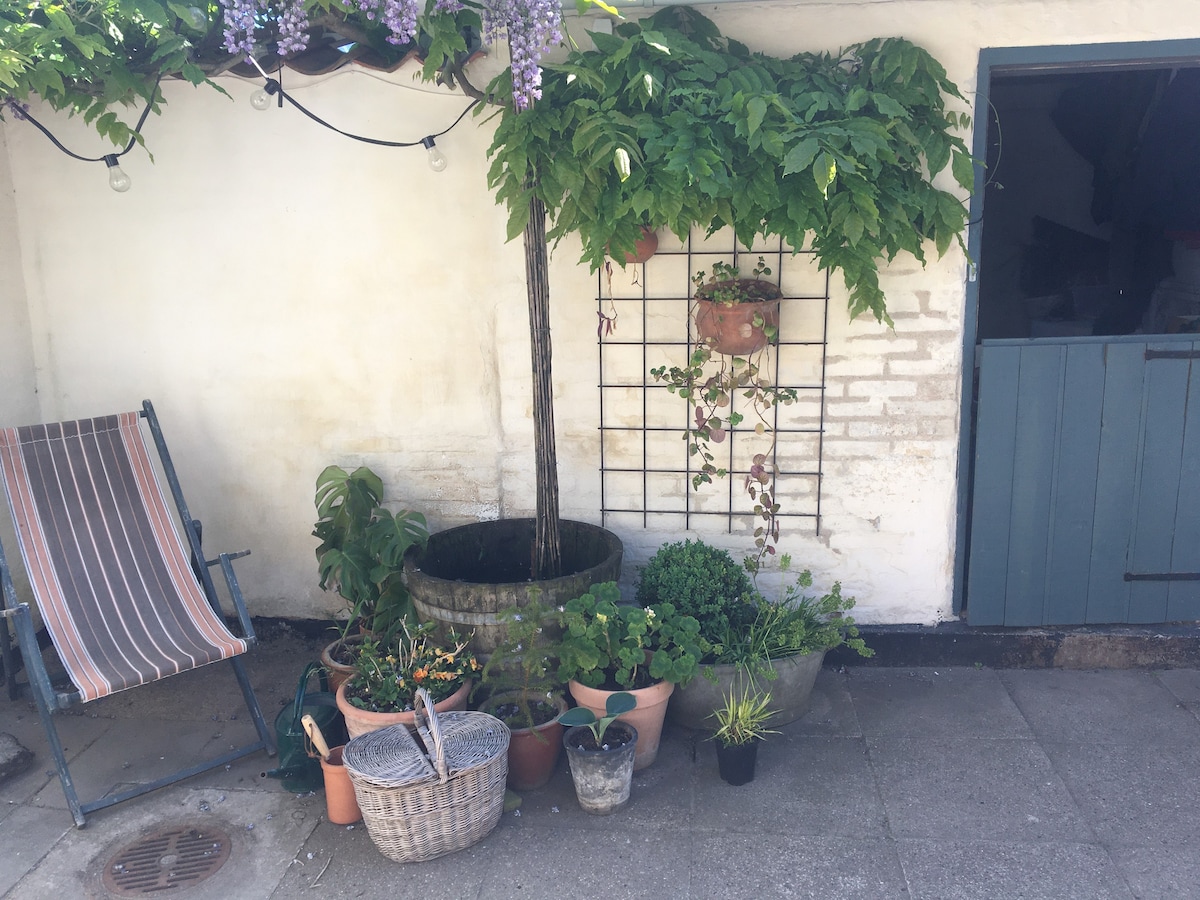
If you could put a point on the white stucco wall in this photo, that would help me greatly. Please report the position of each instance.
(290, 298)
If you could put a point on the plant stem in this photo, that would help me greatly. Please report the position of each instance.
(547, 549)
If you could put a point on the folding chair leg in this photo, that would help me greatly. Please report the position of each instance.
(39, 685)
(8, 660)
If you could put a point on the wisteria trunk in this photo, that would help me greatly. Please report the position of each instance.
(547, 547)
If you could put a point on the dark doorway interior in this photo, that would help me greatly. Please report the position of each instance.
(1092, 206)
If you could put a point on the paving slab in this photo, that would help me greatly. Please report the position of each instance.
(971, 788)
(1108, 707)
(933, 703)
(753, 867)
(1134, 795)
(970, 870)
(803, 785)
(261, 829)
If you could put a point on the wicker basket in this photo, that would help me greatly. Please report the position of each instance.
(420, 804)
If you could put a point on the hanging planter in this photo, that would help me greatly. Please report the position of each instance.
(736, 316)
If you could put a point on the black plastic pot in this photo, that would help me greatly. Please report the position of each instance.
(602, 776)
(736, 762)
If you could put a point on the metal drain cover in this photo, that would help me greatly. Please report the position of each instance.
(170, 859)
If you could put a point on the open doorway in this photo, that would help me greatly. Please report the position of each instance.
(1082, 328)
(1092, 204)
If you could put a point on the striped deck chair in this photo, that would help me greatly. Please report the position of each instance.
(124, 601)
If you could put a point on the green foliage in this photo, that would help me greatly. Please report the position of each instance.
(709, 383)
(605, 643)
(798, 623)
(668, 124)
(387, 673)
(699, 581)
(614, 705)
(724, 286)
(743, 718)
(522, 663)
(95, 58)
(362, 549)
(92, 57)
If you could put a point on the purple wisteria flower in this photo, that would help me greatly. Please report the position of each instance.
(531, 26)
(241, 19)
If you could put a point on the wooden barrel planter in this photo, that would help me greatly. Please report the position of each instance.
(467, 575)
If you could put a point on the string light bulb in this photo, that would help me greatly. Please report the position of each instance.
(261, 99)
(117, 179)
(437, 159)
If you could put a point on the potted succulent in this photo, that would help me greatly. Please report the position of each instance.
(741, 727)
(386, 676)
(781, 647)
(522, 692)
(736, 316)
(607, 647)
(601, 752)
(361, 556)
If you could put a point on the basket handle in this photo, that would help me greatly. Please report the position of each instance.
(430, 731)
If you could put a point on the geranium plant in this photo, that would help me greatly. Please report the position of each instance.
(606, 644)
(387, 675)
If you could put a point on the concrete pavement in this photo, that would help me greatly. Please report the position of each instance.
(960, 782)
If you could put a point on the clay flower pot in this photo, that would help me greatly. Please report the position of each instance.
(644, 248)
(647, 717)
(532, 752)
(341, 803)
(733, 330)
(362, 721)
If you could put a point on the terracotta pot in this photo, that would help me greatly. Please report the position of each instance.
(647, 717)
(602, 776)
(339, 673)
(731, 330)
(644, 248)
(361, 721)
(532, 752)
(341, 804)
(693, 704)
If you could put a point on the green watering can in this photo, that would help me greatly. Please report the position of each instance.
(299, 766)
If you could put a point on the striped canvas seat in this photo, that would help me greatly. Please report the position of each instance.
(110, 575)
(123, 598)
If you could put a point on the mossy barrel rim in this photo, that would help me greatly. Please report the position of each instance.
(468, 575)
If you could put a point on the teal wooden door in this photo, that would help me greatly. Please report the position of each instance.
(1086, 492)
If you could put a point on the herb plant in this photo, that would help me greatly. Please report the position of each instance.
(605, 643)
(797, 623)
(701, 581)
(522, 667)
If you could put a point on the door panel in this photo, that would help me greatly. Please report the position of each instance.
(1086, 470)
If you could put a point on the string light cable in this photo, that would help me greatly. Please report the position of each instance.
(261, 100)
(117, 179)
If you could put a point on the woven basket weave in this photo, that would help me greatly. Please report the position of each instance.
(420, 804)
